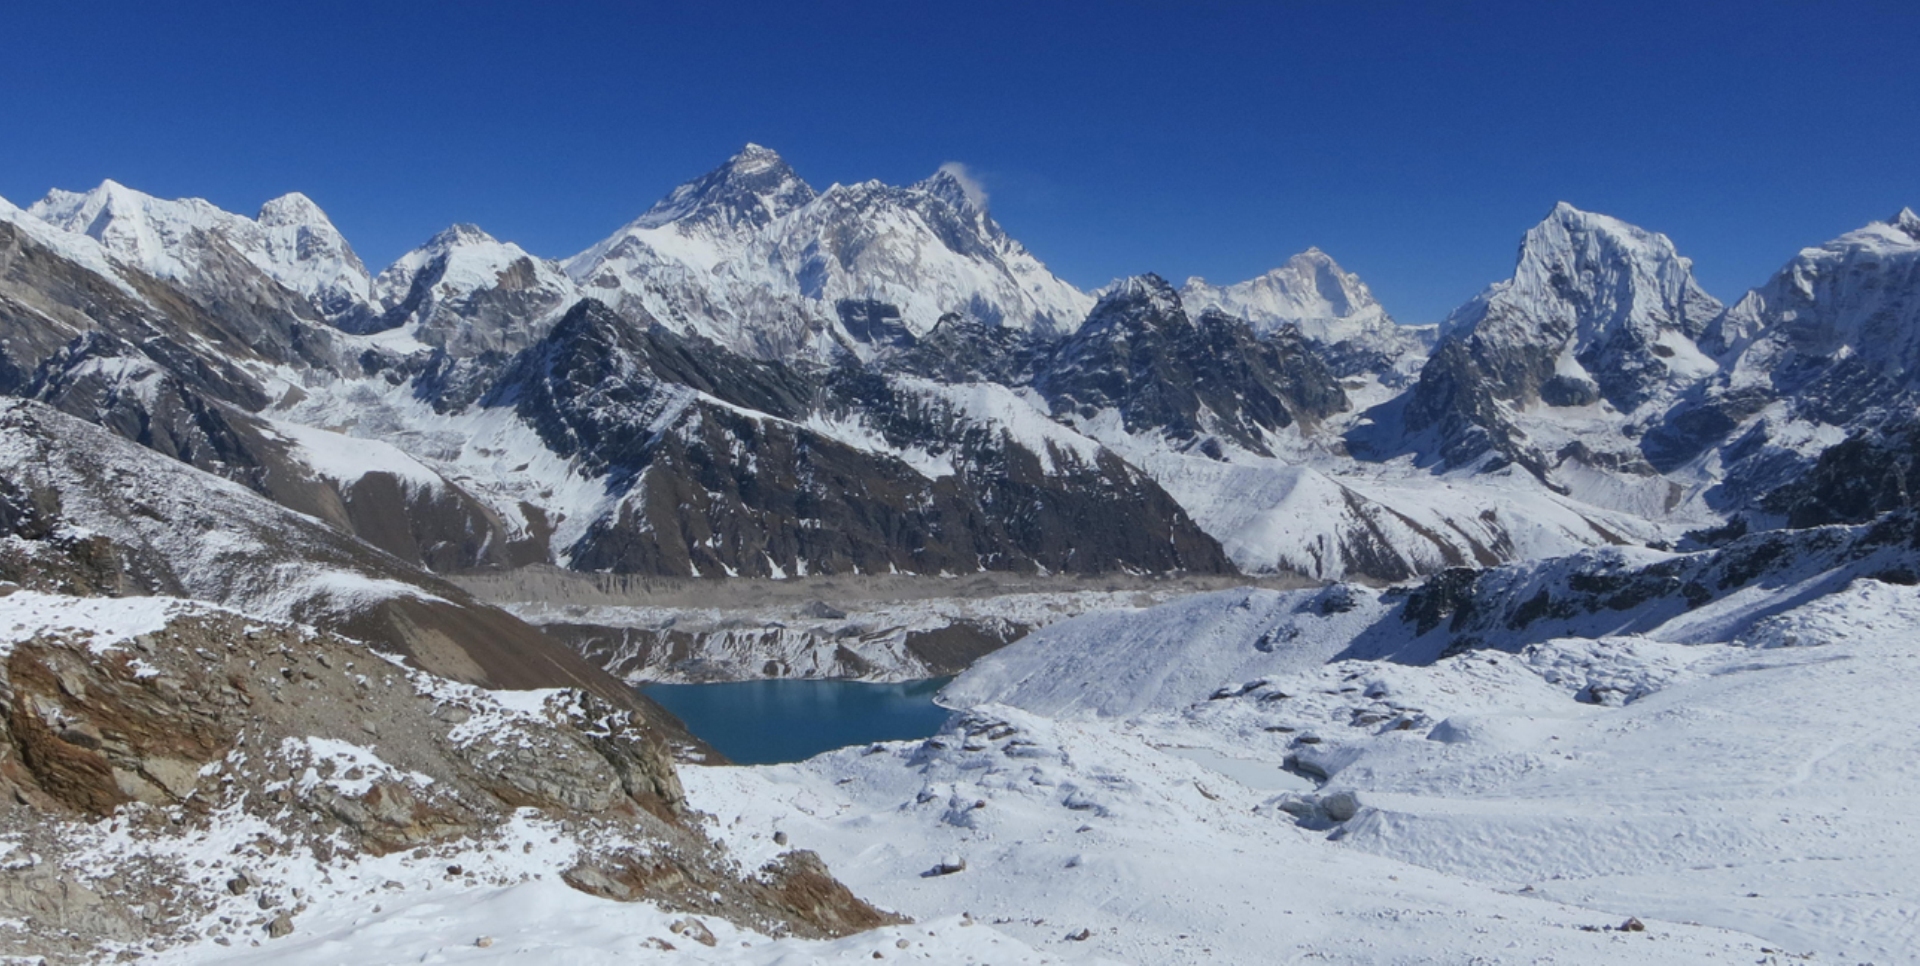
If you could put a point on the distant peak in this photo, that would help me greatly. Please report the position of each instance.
(754, 159)
(1144, 287)
(1907, 222)
(292, 208)
(459, 234)
(956, 184)
(752, 188)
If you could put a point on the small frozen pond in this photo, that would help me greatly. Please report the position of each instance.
(793, 719)
(1261, 776)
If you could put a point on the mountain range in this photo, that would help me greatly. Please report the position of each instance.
(1594, 502)
(755, 377)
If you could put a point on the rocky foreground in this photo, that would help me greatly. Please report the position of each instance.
(175, 773)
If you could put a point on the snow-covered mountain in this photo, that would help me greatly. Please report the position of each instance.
(1330, 306)
(1812, 416)
(752, 258)
(291, 241)
(871, 386)
(911, 329)
(1593, 337)
(468, 293)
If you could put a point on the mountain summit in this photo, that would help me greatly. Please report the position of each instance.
(292, 242)
(750, 256)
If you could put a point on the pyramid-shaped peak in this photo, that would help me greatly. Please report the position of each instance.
(1907, 222)
(292, 208)
(756, 160)
(957, 186)
(459, 234)
(751, 189)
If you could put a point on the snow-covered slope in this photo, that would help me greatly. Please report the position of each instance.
(1642, 734)
(291, 240)
(1084, 840)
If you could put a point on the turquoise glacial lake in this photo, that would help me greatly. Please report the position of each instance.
(793, 719)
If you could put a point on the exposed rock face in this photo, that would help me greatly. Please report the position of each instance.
(188, 717)
(257, 282)
(51, 295)
(1140, 353)
(1874, 470)
(721, 469)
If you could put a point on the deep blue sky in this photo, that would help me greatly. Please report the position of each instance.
(1414, 142)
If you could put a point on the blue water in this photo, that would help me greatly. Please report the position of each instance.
(765, 722)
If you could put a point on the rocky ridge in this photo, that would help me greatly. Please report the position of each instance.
(176, 772)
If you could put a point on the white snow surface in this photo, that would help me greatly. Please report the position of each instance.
(1311, 291)
(105, 622)
(1066, 826)
(291, 240)
(1749, 772)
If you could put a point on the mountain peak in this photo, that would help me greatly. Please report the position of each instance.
(1147, 290)
(752, 154)
(753, 187)
(292, 208)
(460, 234)
(1593, 302)
(1309, 290)
(1907, 222)
(957, 186)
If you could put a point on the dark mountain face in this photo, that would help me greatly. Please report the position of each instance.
(962, 349)
(1140, 354)
(1457, 403)
(718, 470)
(1874, 470)
(47, 301)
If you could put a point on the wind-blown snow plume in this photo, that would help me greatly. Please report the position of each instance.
(970, 183)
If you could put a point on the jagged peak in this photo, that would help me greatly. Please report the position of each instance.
(753, 187)
(1582, 274)
(1555, 243)
(1907, 222)
(1146, 290)
(954, 184)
